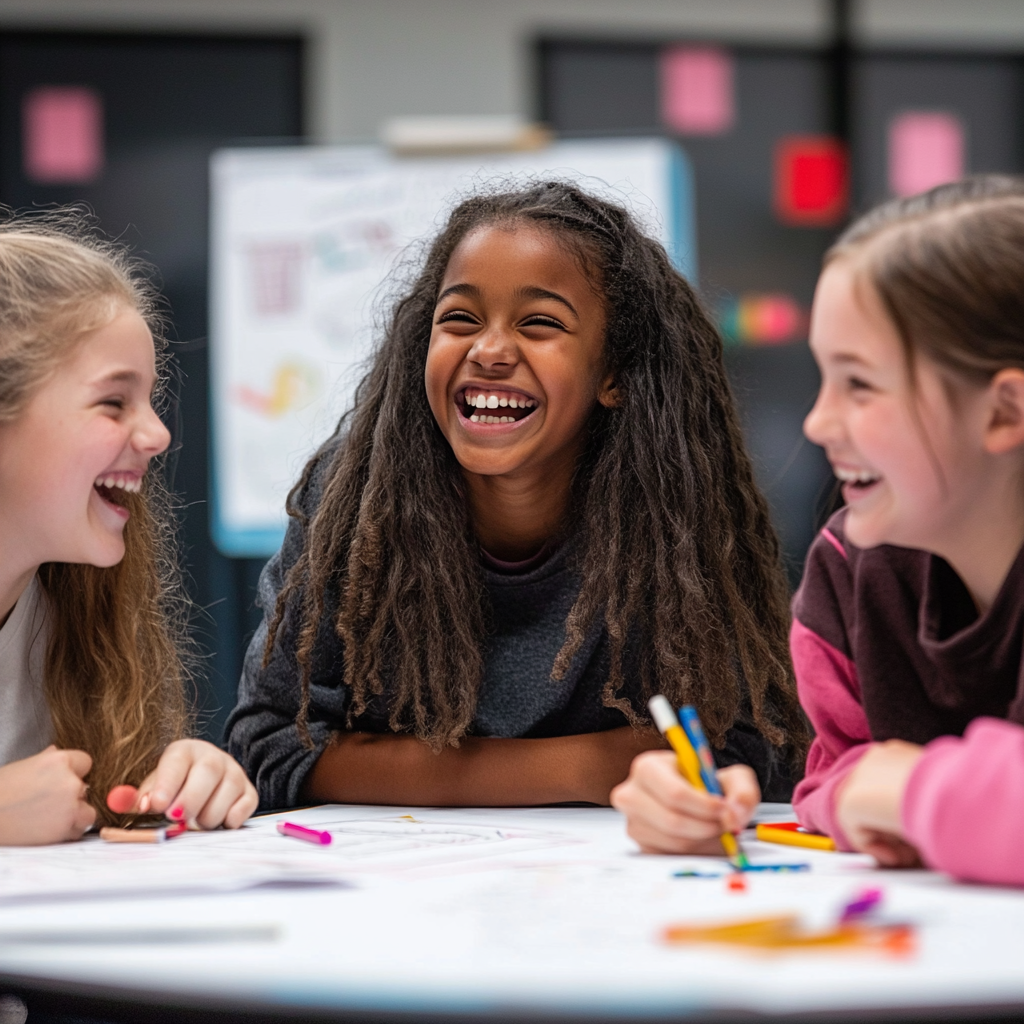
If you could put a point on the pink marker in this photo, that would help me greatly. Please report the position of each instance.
(310, 835)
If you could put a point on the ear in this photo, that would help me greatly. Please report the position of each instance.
(1005, 428)
(608, 393)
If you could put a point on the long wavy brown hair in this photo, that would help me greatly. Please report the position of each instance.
(672, 539)
(118, 655)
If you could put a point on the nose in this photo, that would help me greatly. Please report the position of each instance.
(820, 423)
(494, 351)
(151, 437)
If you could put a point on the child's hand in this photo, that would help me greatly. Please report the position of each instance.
(42, 798)
(868, 803)
(665, 814)
(194, 781)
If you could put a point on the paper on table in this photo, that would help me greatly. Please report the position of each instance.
(366, 841)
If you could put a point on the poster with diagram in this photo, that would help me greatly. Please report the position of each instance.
(309, 244)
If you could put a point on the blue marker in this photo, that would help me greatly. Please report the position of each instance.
(695, 734)
(690, 722)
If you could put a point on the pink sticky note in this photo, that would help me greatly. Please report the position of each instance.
(925, 149)
(62, 134)
(697, 91)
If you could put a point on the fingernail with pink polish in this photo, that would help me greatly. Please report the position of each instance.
(176, 813)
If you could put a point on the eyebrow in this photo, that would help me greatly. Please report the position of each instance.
(849, 357)
(527, 292)
(119, 377)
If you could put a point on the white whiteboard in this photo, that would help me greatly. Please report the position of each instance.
(303, 241)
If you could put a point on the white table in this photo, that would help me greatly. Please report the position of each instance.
(545, 912)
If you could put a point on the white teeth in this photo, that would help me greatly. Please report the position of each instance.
(130, 485)
(474, 419)
(855, 476)
(503, 402)
(512, 404)
(492, 402)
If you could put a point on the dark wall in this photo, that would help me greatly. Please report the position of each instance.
(602, 88)
(168, 102)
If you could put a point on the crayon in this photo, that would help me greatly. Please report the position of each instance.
(789, 834)
(142, 835)
(689, 764)
(309, 835)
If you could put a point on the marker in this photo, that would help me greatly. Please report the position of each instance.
(789, 833)
(142, 835)
(689, 765)
(862, 904)
(309, 835)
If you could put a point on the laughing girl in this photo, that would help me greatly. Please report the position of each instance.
(91, 626)
(538, 513)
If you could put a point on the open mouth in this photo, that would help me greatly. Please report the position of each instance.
(114, 488)
(856, 479)
(479, 405)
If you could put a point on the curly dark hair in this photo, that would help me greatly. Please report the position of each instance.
(673, 543)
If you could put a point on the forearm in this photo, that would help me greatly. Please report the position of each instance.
(365, 768)
(962, 805)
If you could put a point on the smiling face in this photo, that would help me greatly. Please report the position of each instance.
(516, 358)
(910, 462)
(84, 439)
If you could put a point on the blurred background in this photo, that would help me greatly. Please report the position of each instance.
(795, 114)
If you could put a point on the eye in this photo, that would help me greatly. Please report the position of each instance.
(541, 320)
(113, 402)
(457, 316)
(857, 384)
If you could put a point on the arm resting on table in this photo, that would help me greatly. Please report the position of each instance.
(365, 768)
(963, 807)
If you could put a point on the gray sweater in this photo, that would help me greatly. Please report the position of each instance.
(517, 696)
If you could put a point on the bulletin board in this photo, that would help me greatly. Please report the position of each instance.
(309, 245)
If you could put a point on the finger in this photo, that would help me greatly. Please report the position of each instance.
(85, 817)
(121, 799)
(742, 795)
(223, 798)
(652, 841)
(205, 776)
(79, 762)
(158, 790)
(243, 807)
(657, 774)
(647, 816)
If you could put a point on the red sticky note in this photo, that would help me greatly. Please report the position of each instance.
(811, 180)
(697, 90)
(925, 149)
(62, 134)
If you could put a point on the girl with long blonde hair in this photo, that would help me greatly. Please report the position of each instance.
(93, 648)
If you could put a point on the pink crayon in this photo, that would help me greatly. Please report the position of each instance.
(310, 835)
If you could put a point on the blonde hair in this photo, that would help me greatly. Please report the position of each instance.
(118, 655)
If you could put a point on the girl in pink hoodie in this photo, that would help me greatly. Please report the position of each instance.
(908, 627)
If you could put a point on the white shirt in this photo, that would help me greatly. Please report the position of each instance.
(25, 725)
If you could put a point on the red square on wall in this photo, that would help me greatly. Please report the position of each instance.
(812, 181)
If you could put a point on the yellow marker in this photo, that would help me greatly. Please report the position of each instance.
(689, 764)
(787, 835)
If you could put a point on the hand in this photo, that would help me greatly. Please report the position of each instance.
(868, 803)
(194, 781)
(42, 798)
(665, 814)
